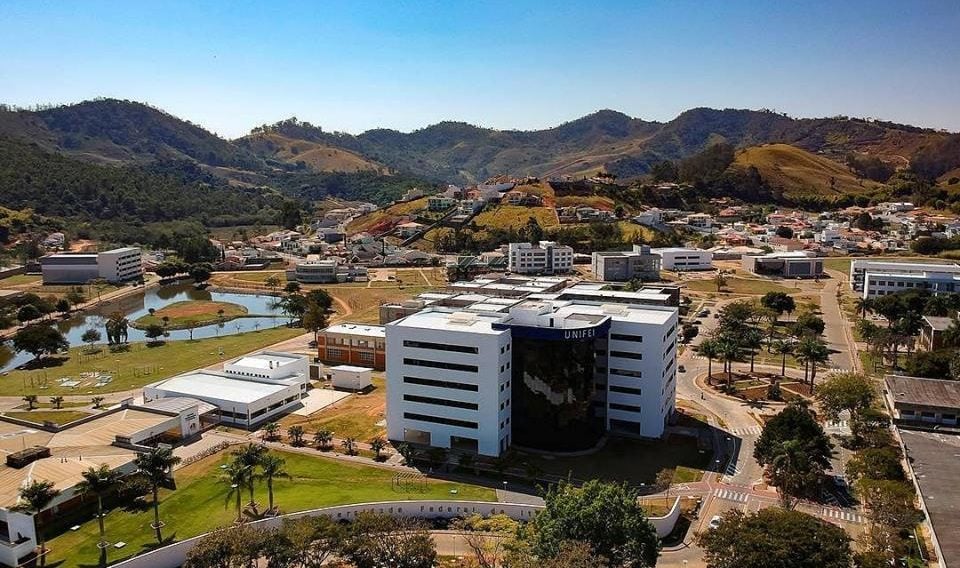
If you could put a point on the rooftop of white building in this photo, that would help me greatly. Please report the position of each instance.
(357, 329)
(219, 386)
(266, 360)
(448, 320)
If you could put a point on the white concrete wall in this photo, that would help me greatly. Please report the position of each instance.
(18, 525)
(657, 368)
(175, 555)
(489, 361)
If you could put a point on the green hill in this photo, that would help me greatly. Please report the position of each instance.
(792, 171)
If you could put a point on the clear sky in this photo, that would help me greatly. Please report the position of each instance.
(355, 65)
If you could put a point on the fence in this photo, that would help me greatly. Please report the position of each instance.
(175, 554)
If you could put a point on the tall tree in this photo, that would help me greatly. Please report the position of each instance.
(40, 340)
(99, 481)
(252, 456)
(272, 467)
(794, 450)
(604, 515)
(156, 466)
(35, 497)
(710, 349)
(775, 537)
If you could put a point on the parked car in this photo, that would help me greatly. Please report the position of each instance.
(703, 313)
(715, 522)
(681, 369)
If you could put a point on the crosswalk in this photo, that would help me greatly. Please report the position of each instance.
(747, 431)
(842, 515)
(731, 469)
(730, 495)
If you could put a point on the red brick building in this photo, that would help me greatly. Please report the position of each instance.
(357, 344)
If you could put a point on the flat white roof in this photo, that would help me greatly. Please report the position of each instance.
(620, 312)
(220, 387)
(263, 360)
(466, 322)
(358, 329)
(350, 369)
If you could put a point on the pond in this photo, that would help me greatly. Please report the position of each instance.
(261, 315)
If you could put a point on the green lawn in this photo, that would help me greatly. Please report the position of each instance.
(633, 461)
(141, 364)
(192, 313)
(737, 286)
(20, 279)
(199, 503)
(55, 416)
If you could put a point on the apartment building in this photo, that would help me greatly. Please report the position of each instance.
(575, 370)
(114, 266)
(859, 268)
(682, 259)
(353, 344)
(622, 266)
(547, 257)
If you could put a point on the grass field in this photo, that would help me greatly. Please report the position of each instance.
(55, 416)
(365, 302)
(796, 171)
(515, 216)
(199, 503)
(129, 368)
(355, 417)
(737, 286)
(633, 461)
(20, 280)
(261, 276)
(192, 313)
(595, 201)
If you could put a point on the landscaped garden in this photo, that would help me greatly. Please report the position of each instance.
(191, 313)
(200, 503)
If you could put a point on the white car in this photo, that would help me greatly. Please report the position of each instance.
(714, 522)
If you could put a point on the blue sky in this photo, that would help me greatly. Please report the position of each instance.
(356, 65)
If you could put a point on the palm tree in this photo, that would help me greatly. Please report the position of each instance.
(97, 401)
(812, 352)
(236, 475)
(99, 481)
(156, 466)
(863, 305)
(350, 446)
(270, 430)
(37, 496)
(752, 339)
(710, 349)
(730, 351)
(377, 445)
(783, 348)
(720, 280)
(251, 456)
(296, 435)
(271, 468)
(56, 401)
(31, 400)
(322, 439)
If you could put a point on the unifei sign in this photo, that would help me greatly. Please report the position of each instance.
(557, 333)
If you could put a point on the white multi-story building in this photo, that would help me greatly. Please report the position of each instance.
(573, 369)
(681, 259)
(881, 284)
(114, 266)
(893, 271)
(547, 257)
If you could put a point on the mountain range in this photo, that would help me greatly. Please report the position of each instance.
(115, 131)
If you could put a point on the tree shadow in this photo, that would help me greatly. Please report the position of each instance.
(44, 363)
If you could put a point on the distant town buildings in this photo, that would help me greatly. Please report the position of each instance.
(622, 266)
(547, 257)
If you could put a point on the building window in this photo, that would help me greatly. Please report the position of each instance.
(624, 407)
(439, 420)
(440, 402)
(440, 365)
(335, 353)
(366, 357)
(626, 373)
(440, 346)
(441, 384)
(626, 355)
(625, 390)
(625, 337)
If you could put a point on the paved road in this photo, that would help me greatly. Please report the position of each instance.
(837, 333)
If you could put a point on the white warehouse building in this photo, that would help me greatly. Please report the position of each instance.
(893, 272)
(249, 391)
(574, 369)
(114, 266)
(681, 259)
(547, 257)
